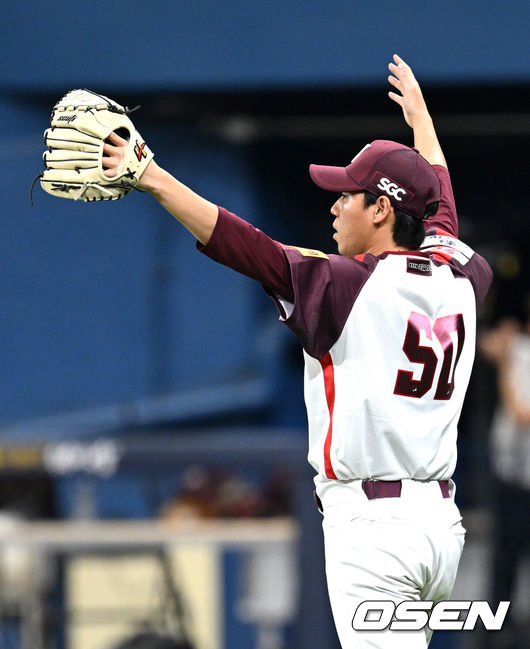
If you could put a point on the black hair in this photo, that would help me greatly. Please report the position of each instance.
(408, 231)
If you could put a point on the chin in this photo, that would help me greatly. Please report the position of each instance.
(345, 252)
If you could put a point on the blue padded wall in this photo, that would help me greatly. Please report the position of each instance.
(109, 302)
(211, 44)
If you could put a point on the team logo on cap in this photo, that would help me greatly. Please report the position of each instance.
(391, 188)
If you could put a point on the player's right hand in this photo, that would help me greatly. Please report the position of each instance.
(410, 98)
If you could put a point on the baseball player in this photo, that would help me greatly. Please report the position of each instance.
(387, 328)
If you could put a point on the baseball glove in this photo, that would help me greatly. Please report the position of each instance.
(80, 123)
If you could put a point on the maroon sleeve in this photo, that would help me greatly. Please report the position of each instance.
(244, 248)
(445, 218)
(476, 270)
(314, 292)
(325, 289)
(481, 276)
(439, 243)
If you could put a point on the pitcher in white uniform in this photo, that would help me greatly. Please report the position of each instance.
(387, 328)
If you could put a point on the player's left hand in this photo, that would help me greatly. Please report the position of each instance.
(86, 159)
(113, 154)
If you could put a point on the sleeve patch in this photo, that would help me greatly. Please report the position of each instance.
(307, 252)
(448, 247)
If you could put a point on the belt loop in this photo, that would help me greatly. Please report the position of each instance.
(444, 488)
(368, 487)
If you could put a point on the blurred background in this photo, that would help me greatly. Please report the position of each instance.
(154, 487)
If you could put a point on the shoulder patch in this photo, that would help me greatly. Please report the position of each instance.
(448, 247)
(307, 252)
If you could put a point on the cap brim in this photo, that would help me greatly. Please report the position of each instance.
(334, 179)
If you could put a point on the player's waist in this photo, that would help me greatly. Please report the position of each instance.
(331, 493)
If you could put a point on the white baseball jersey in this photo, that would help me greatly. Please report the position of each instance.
(388, 342)
(384, 398)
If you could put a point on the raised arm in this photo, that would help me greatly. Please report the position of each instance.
(417, 116)
(221, 235)
(196, 214)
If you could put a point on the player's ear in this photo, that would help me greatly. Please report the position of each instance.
(382, 209)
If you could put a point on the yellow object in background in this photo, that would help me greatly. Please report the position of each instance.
(114, 597)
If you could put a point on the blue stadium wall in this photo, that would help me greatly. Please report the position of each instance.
(110, 302)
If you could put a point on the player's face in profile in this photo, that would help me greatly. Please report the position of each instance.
(352, 224)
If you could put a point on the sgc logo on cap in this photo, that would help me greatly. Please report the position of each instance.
(391, 188)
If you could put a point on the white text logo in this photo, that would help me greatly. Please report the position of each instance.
(391, 188)
(413, 616)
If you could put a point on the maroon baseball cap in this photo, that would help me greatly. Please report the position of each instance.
(385, 168)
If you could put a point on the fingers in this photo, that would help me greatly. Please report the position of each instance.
(398, 63)
(116, 139)
(394, 82)
(397, 98)
(113, 150)
(111, 165)
(407, 91)
(400, 74)
(111, 160)
(399, 68)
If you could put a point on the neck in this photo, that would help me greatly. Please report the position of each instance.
(386, 246)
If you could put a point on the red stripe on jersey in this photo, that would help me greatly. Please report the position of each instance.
(329, 385)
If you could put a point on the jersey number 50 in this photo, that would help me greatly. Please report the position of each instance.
(443, 327)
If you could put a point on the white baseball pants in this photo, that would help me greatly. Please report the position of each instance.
(397, 549)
